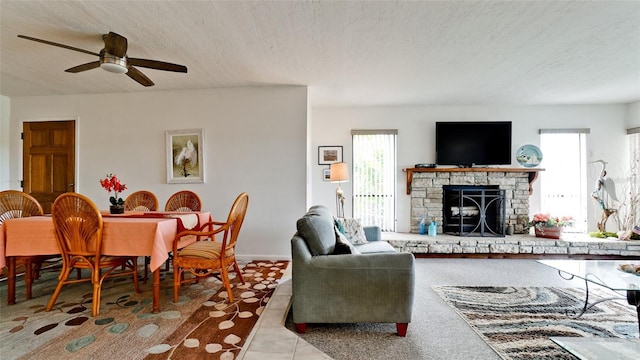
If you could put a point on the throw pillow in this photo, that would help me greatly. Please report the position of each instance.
(343, 246)
(353, 230)
(339, 225)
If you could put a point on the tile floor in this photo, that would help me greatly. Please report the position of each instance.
(270, 339)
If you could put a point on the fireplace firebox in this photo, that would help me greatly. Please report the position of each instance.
(474, 210)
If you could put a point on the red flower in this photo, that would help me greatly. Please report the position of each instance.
(112, 183)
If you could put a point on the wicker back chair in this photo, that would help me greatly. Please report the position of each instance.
(78, 227)
(184, 200)
(142, 200)
(18, 204)
(205, 256)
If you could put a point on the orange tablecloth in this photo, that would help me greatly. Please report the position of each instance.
(130, 236)
(121, 236)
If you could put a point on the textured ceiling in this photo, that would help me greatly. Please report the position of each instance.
(347, 53)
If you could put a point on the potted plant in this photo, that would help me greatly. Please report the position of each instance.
(548, 226)
(112, 183)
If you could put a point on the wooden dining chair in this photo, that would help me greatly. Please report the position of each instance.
(183, 200)
(206, 256)
(18, 204)
(142, 200)
(145, 201)
(78, 228)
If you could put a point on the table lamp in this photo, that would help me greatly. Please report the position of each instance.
(339, 173)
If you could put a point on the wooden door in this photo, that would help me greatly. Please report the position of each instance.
(49, 160)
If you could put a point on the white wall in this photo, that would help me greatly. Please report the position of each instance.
(265, 141)
(416, 142)
(5, 110)
(633, 115)
(255, 141)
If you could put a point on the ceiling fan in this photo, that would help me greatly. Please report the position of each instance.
(114, 58)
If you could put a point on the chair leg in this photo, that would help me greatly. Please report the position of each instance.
(28, 276)
(168, 262)
(301, 328)
(37, 267)
(176, 282)
(134, 267)
(225, 281)
(95, 304)
(237, 269)
(402, 329)
(147, 260)
(61, 280)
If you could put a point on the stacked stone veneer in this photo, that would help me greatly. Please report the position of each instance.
(427, 194)
(518, 244)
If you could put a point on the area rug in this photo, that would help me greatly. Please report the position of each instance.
(517, 322)
(201, 325)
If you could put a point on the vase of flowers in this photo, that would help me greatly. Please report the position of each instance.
(112, 183)
(548, 226)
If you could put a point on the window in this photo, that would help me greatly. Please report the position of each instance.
(631, 215)
(374, 177)
(563, 183)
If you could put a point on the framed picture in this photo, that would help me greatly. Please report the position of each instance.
(185, 156)
(326, 174)
(328, 155)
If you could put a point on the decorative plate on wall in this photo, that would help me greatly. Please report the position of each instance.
(529, 155)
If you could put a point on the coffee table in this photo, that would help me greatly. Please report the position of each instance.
(586, 348)
(604, 273)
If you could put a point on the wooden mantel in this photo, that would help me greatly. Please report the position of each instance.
(533, 172)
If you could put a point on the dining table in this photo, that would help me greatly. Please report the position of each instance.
(129, 234)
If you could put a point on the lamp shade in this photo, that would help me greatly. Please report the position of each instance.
(339, 172)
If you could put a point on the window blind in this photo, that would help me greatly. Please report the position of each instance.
(374, 177)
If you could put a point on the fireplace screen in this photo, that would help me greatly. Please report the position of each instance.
(470, 210)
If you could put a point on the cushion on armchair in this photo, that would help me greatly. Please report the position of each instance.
(343, 246)
(353, 230)
(317, 228)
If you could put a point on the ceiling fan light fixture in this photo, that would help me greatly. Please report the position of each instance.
(113, 64)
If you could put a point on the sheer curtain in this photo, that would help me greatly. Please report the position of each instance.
(374, 177)
(563, 183)
(632, 217)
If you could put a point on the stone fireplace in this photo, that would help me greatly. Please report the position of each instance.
(425, 185)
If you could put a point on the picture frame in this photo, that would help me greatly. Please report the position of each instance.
(326, 174)
(328, 155)
(185, 156)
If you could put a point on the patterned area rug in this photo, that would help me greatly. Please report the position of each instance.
(518, 321)
(201, 325)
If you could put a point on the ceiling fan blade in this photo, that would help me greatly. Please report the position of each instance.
(158, 65)
(138, 76)
(59, 45)
(84, 67)
(115, 44)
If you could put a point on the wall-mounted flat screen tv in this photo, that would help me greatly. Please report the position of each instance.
(473, 143)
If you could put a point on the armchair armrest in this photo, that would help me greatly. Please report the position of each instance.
(372, 233)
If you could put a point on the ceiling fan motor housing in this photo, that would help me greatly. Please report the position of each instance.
(113, 63)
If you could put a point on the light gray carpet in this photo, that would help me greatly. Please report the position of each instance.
(436, 331)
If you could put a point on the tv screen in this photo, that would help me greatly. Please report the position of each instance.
(467, 144)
